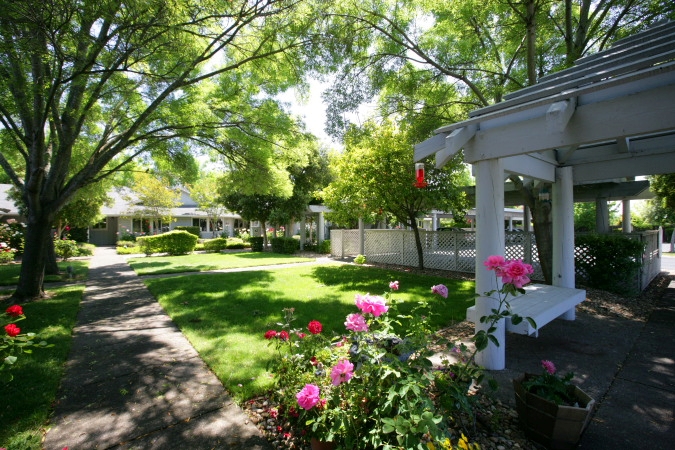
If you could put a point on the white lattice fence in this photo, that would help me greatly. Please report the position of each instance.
(344, 243)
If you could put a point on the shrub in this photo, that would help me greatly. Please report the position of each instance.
(79, 234)
(65, 248)
(609, 262)
(236, 243)
(244, 236)
(257, 243)
(192, 230)
(175, 242)
(215, 245)
(285, 245)
(360, 259)
(7, 254)
(84, 249)
(324, 247)
(127, 236)
(12, 235)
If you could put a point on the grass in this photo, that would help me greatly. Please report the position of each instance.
(226, 315)
(208, 261)
(26, 402)
(9, 273)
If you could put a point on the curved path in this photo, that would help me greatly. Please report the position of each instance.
(133, 381)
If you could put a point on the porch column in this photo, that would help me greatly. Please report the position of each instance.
(563, 232)
(320, 229)
(434, 221)
(626, 226)
(489, 241)
(302, 232)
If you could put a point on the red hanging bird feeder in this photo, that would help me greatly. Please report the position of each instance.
(419, 175)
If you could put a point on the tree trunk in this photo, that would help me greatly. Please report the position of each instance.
(31, 277)
(263, 225)
(51, 267)
(418, 244)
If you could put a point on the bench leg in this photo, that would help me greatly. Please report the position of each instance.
(569, 314)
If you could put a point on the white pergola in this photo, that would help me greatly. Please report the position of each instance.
(610, 117)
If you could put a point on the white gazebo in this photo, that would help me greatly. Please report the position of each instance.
(610, 117)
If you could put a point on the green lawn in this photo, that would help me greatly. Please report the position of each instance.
(225, 315)
(9, 273)
(27, 400)
(202, 262)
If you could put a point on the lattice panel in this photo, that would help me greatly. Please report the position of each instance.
(336, 243)
(385, 246)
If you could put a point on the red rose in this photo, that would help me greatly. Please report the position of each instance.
(271, 334)
(283, 335)
(301, 335)
(14, 310)
(12, 330)
(315, 327)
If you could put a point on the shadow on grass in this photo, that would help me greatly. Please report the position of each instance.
(226, 315)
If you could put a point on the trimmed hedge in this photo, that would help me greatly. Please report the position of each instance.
(609, 262)
(257, 243)
(192, 230)
(236, 243)
(177, 242)
(285, 245)
(215, 245)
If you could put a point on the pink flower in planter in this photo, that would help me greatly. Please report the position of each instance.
(308, 396)
(356, 322)
(373, 304)
(342, 372)
(548, 366)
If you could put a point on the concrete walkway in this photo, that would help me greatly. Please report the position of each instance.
(133, 381)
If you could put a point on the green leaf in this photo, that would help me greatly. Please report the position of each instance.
(10, 359)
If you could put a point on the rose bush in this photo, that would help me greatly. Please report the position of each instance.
(372, 384)
(13, 342)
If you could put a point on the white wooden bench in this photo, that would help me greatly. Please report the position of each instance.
(543, 303)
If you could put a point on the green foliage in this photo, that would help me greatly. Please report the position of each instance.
(190, 229)
(324, 247)
(7, 255)
(236, 244)
(215, 245)
(12, 236)
(285, 245)
(257, 243)
(551, 386)
(66, 248)
(664, 188)
(175, 242)
(609, 262)
(360, 259)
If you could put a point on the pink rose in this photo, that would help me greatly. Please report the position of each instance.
(393, 285)
(440, 289)
(342, 372)
(373, 304)
(494, 262)
(308, 396)
(515, 272)
(315, 327)
(356, 322)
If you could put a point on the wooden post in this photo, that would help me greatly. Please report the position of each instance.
(563, 232)
(489, 241)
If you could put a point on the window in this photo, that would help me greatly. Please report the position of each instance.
(201, 223)
(102, 225)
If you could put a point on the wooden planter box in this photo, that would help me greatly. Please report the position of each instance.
(557, 427)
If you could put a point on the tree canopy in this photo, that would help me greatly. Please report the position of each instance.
(88, 86)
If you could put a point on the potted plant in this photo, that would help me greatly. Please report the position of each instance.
(552, 411)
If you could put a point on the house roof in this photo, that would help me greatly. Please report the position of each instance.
(610, 116)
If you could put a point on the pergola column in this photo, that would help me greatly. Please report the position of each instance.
(320, 228)
(489, 241)
(563, 232)
(302, 231)
(362, 237)
(626, 225)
